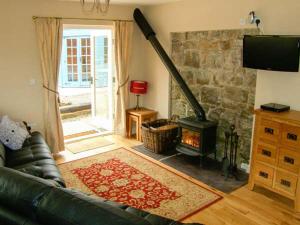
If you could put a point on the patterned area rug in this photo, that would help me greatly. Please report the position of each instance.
(123, 176)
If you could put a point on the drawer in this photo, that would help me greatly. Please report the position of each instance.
(290, 136)
(266, 153)
(289, 160)
(285, 182)
(264, 174)
(269, 130)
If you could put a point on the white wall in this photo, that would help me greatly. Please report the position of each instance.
(19, 57)
(278, 17)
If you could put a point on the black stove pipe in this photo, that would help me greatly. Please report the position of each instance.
(151, 36)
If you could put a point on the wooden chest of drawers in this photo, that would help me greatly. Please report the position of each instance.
(275, 162)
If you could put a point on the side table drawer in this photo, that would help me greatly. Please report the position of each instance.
(269, 130)
(286, 182)
(266, 153)
(290, 136)
(264, 174)
(289, 160)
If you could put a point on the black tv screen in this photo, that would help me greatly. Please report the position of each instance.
(278, 53)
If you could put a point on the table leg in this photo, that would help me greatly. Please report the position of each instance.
(129, 126)
(140, 125)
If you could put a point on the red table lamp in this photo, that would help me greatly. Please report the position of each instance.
(138, 87)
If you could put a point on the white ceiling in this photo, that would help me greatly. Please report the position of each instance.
(138, 2)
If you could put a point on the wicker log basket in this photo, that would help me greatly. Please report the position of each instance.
(159, 135)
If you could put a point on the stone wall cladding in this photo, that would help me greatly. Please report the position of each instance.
(211, 64)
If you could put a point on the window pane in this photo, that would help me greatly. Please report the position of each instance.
(75, 76)
(75, 60)
(69, 60)
(75, 69)
(83, 42)
(88, 59)
(69, 77)
(70, 69)
(88, 51)
(89, 68)
(69, 42)
(74, 51)
(74, 42)
(88, 42)
(69, 51)
(84, 77)
(84, 61)
(83, 51)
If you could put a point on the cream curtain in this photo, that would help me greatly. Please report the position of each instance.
(49, 37)
(123, 45)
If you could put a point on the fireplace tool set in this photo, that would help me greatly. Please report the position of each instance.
(229, 165)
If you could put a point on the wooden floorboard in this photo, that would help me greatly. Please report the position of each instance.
(241, 207)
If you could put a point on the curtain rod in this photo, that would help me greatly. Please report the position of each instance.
(70, 18)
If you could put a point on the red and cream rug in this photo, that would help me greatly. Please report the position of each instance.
(123, 176)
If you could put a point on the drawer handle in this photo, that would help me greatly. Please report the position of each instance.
(289, 160)
(266, 153)
(269, 130)
(292, 137)
(285, 183)
(263, 174)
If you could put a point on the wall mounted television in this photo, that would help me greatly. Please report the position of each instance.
(276, 53)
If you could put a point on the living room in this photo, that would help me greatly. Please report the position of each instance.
(187, 30)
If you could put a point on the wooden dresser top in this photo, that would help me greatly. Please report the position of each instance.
(291, 116)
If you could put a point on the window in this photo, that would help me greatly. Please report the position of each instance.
(82, 51)
(105, 50)
(78, 59)
(86, 59)
(72, 63)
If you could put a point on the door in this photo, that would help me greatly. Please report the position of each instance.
(86, 80)
(102, 85)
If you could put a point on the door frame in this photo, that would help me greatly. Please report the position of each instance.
(108, 25)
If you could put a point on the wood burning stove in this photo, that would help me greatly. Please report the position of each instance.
(197, 138)
(197, 135)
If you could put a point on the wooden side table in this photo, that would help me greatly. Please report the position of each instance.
(138, 116)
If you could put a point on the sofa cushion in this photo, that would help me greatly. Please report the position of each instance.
(151, 218)
(35, 158)
(44, 168)
(11, 134)
(9, 217)
(21, 192)
(69, 207)
(27, 155)
(2, 155)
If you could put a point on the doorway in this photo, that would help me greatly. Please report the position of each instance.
(86, 81)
